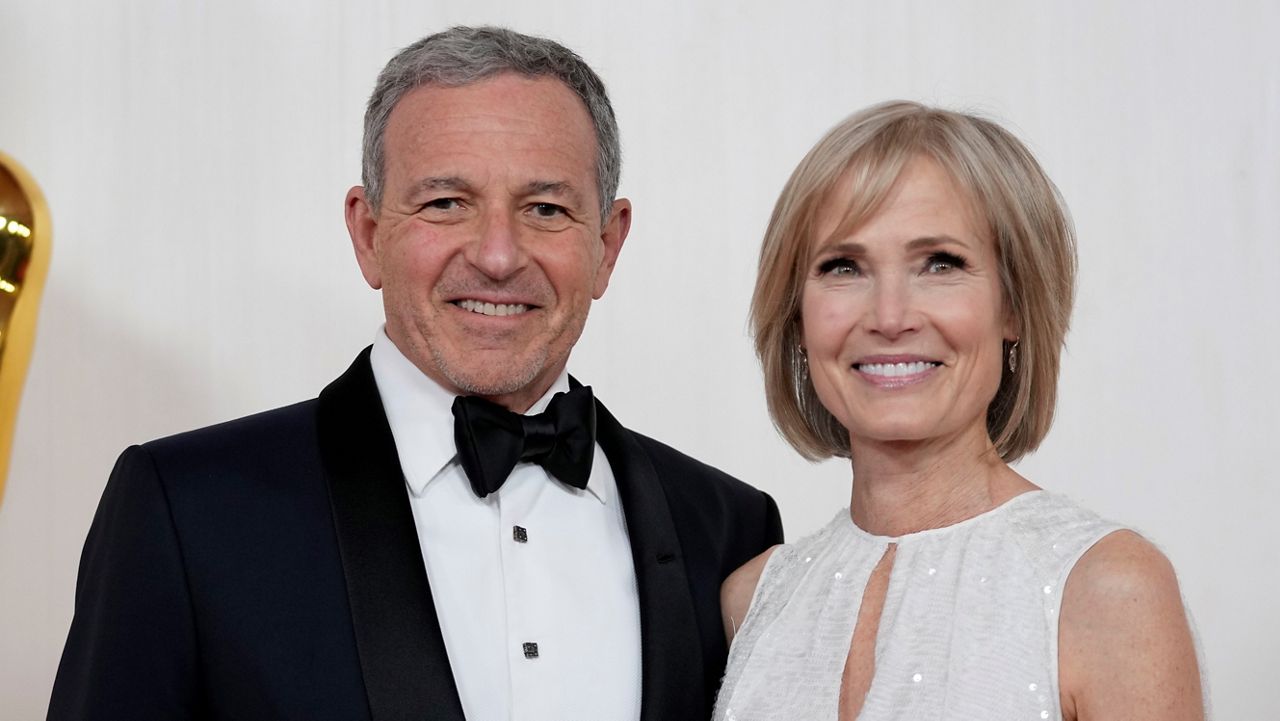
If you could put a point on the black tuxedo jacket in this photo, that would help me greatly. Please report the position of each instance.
(268, 568)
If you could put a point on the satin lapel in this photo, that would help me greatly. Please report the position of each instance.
(402, 653)
(671, 656)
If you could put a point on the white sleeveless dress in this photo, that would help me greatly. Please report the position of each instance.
(969, 629)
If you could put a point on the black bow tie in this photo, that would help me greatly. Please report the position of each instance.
(491, 440)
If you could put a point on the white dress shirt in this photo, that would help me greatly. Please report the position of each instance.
(534, 585)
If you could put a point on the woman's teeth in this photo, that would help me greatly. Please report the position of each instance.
(892, 370)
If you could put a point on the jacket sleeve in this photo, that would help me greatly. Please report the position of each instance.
(772, 522)
(131, 652)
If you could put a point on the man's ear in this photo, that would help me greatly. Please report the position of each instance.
(362, 226)
(613, 233)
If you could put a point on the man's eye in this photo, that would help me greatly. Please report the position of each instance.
(442, 204)
(838, 266)
(548, 210)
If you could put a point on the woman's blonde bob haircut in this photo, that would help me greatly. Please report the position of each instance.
(1025, 216)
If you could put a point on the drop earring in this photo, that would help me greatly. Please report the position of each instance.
(1013, 357)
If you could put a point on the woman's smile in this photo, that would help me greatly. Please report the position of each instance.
(895, 372)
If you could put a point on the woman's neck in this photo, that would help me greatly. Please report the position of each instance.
(903, 487)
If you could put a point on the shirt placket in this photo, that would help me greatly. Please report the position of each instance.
(523, 552)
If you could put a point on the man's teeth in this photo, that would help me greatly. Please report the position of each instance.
(476, 306)
(895, 369)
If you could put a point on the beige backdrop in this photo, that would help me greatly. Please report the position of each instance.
(195, 156)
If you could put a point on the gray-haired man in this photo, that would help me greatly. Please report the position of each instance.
(455, 526)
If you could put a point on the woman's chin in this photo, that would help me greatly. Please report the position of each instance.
(907, 433)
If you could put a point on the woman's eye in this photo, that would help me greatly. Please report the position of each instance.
(943, 263)
(838, 266)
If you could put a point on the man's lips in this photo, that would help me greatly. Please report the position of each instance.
(487, 308)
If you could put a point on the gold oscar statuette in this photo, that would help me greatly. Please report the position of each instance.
(24, 262)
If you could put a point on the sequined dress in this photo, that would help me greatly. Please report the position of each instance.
(969, 629)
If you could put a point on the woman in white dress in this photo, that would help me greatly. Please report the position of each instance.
(914, 290)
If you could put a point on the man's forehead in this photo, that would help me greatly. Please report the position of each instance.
(497, 91)
(515, 111)
(532, 135)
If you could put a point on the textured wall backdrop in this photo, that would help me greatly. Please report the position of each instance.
(195, 157)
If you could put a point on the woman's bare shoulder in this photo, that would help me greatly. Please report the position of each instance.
(1125, 647)
(737, 590)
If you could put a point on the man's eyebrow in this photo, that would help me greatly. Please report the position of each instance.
(439, 182)
(556, 188)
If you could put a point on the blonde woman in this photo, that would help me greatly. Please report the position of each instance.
(914, 290)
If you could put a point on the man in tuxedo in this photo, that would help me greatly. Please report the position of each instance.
(455, 526)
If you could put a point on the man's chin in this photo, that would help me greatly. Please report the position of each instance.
(489, 387)
(495, 374)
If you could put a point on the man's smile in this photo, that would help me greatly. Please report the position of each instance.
(492, 309)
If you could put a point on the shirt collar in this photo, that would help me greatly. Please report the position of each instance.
(420, 413)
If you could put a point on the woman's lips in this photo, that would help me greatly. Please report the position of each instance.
(896, 374)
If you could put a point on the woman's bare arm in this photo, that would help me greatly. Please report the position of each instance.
(1125, 651)
(736, 593)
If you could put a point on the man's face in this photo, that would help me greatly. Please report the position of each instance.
(488, 246)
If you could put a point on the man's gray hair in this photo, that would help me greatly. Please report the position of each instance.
(465, 55)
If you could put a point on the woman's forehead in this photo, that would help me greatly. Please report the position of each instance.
(862, 194)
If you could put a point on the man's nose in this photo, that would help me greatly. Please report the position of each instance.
(496, 251)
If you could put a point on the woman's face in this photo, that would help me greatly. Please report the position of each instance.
(904, 318)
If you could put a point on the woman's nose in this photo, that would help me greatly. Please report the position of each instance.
(893, 310)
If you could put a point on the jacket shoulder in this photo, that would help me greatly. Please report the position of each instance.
(671, 463)
(708, 492)
(253, 439)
